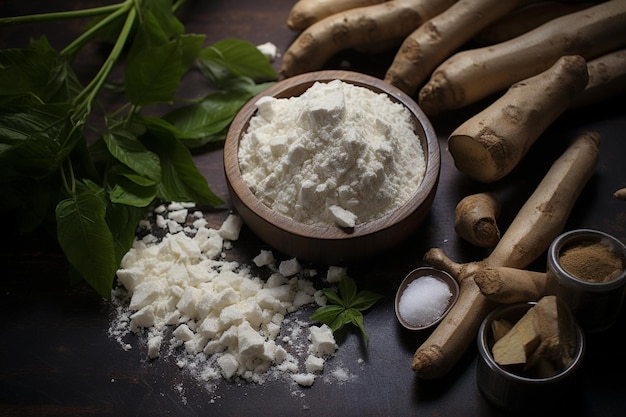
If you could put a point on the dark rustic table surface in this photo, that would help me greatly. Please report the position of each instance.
(57, 359)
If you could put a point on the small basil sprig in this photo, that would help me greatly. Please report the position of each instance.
(346, 306)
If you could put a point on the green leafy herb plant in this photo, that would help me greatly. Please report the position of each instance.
(346, 306)
(92, 193)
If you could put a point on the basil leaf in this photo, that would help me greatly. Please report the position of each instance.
(363, 300)
(328, 314)
(85, 237)
(333, 297)
(346, 307)
(356, 318)
(347, 290)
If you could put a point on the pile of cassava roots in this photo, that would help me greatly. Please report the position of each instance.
(529, 61)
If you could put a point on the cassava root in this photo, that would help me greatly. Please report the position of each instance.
(506, 285)
(354, 28)
(620, 194)
(524, 19)
(489, 145)
(471, 75)
(607, 78)
(306, 12)
(537, 223)
(475, 219)
(435, 40)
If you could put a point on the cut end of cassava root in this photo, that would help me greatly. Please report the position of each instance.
(489, 145)
(475, 219)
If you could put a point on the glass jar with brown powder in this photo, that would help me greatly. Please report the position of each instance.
(589, 270)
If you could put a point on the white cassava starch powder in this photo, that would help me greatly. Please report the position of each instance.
(181, 299)
(339, 154)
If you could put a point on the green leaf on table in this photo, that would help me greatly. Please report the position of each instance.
(330, 315)
(347, 290)
(127, 149)
(36, 74)
(131, 188)
(206, 120)
(180, 178)
(35, 139)
(333, 297)
(85, 237)
(122, 221)
(346, 306)
(233, 58)
(153, 75)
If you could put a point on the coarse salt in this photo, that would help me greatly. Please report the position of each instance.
(424, 301)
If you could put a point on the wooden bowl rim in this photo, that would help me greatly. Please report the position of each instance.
(301, 83)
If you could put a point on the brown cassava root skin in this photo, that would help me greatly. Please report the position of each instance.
(489, 145)
(524, 19)
(474, 74)
(353, 28)
(620, 194)
(538, 222)
(434, 41)
(511, 285)
(607, 79)
(475, 219)
(306, 12)
(544, 214)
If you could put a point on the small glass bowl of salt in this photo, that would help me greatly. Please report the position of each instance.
(424, 298)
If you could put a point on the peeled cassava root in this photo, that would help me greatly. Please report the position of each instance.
(474, 74)
(541, 343)
(538, 222)
(475, 219)
(354, 28)
(490, 144)
(434, 41)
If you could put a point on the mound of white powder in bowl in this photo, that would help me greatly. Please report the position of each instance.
(339, 154)
(424, 301)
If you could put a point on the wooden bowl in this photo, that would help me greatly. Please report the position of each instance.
(332, 245)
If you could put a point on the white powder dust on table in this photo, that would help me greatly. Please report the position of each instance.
(179, 299)
(339, 154)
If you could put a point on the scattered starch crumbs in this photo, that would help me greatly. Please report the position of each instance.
(179, 295)
(424, 301)
(338, 155)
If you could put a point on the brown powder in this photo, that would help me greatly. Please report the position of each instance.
(593, 262)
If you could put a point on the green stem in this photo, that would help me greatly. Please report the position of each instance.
(88, 34)
(71, 187)
(177, 5)
(87, 96)
(46, 17)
